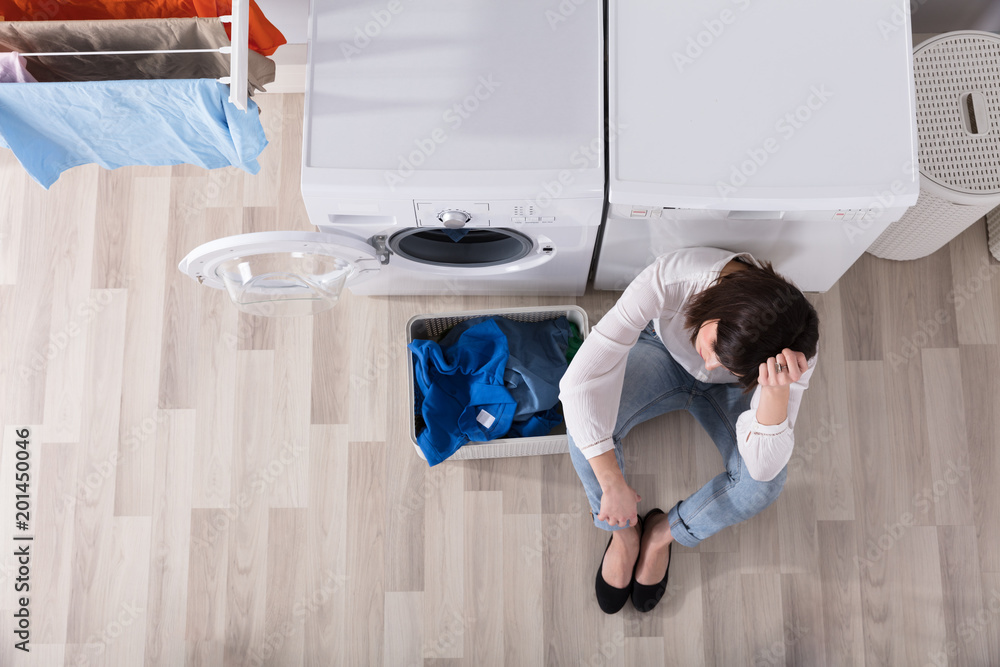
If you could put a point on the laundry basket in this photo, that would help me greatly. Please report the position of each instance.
(958, 123)
(433, 326)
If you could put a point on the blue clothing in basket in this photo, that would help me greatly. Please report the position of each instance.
(537, 360)
(464, 394)
(52, 127)
(466, 378)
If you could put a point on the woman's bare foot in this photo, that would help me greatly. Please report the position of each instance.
(654, 556)
(620, 558)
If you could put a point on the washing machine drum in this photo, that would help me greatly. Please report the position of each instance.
(468, 248)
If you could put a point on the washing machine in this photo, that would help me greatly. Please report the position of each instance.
(448, 148)
(786, 129)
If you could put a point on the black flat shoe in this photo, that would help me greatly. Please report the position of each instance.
(611, 599)
(644, 597)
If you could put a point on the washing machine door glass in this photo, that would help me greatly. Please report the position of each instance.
(467, 248)
(280, 273)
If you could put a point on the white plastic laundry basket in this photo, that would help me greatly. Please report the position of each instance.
(958, 124)
(424, 327)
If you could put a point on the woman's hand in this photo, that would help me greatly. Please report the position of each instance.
(793, 364)
(619, 504)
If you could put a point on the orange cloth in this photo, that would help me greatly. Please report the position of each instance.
(264, 37)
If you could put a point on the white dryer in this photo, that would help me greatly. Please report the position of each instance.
(448, 148)
(783, 128)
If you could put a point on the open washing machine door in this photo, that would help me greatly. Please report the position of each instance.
(283, 273)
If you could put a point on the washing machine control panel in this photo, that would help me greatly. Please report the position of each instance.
(465, 215)
(454, 215)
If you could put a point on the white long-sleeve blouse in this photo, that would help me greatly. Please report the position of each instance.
(591, 388)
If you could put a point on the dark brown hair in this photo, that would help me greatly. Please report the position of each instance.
(760, 313)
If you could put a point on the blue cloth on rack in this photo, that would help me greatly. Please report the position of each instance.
(52, 127)
(464, 394)
(537, 360)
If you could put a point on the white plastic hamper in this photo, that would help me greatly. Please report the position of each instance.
(958, 124)
(423, 327)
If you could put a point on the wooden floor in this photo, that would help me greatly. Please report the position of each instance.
(209, 488)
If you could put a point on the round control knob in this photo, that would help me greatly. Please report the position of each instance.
(454, 219)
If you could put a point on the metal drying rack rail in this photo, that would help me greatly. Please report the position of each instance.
(238, 56)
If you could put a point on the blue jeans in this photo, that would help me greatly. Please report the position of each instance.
(656, 384)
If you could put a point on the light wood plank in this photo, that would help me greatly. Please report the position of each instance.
(841, 593)
(179, 360)
(762, 618)
(863, 310)
(484, 606)
(284, 622)
(246, 593)
(371, 355)
(920, 591)
(364, 520)
(93, 532)
(682, 609)
(208, 566)
(981, 396)
(203, 653)
(973, 287)
(802, 640)
(72, 251)
(404, 632)
(444, 565)
(950, 493)
(641, 651)
(13, 181)
(55, 502)
(326, 618)
(170, 546)
(964, 597)
(523, 620)
(218, 339)
(137, 438)
(288, 470)
(412, 479)
(822, 451)
(722, 603)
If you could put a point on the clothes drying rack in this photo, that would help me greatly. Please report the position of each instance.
(237, 51)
